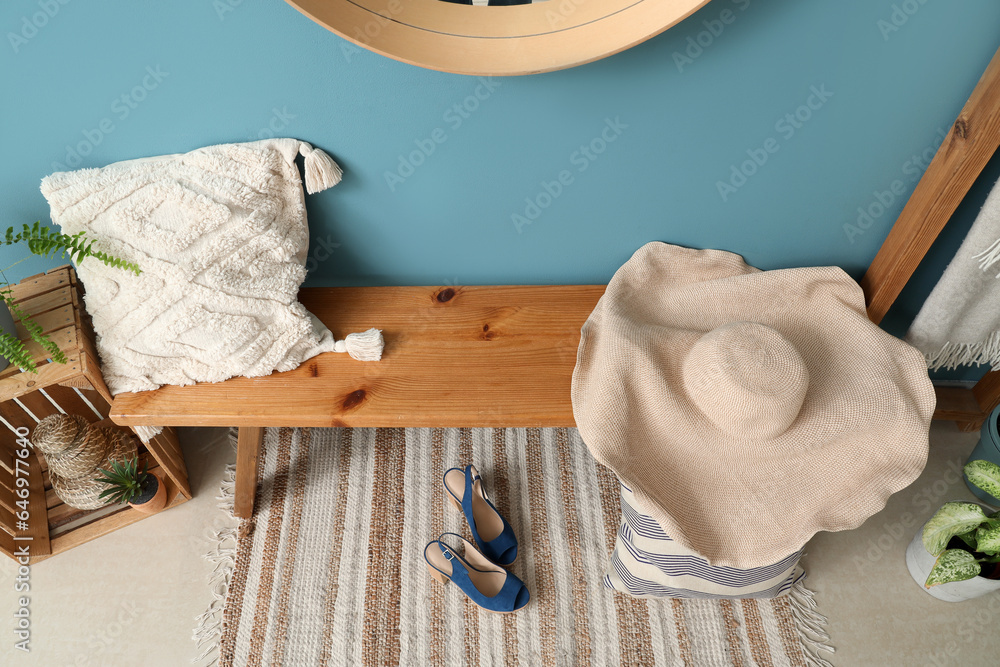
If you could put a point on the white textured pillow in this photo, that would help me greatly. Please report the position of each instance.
(221, 237)
(647, 563)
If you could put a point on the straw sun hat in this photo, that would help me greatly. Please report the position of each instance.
(748, 410)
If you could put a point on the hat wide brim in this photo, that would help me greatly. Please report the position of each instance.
(860, 436)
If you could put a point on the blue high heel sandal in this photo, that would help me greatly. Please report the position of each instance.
(489, 586)
(492, 533)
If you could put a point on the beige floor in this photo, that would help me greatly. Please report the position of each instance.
(130, 598)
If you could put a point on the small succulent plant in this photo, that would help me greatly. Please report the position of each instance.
(975, 535)
(125, 482)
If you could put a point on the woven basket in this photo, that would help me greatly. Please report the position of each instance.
(123, 447)
(79, 493)
(57, 434)
(81, 461)
(82, 493)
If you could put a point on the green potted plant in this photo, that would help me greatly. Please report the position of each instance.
(43, 242)
(956, 555)
(145, 491)
(987, 449)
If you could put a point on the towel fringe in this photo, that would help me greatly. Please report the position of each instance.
(952, 355)
(963, 304)
(989, 257)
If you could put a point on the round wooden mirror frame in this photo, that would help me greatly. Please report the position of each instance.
(497, 41)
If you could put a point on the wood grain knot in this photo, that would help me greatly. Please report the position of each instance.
(446, 295)
(314, 370)
(961, 128)
(354, 399)
(486, 327)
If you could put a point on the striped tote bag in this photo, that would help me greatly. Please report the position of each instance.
(646, 563)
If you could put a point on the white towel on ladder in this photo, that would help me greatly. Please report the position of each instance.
(960, 321)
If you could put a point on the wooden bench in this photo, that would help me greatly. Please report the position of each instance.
(454, 357)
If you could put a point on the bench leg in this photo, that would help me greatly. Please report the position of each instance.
(247, 449)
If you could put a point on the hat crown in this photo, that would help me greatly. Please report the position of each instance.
(747, 378)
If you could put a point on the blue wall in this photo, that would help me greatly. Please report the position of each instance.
(682, 126)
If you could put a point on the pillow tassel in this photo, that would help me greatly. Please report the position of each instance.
(321, 171)
(366, 346)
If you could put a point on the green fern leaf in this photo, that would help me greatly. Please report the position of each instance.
(44, 242)
(37, 334)
(14, 351)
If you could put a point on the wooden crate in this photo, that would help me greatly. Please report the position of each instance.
(76, 387)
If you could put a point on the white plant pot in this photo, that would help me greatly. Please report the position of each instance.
(919, 563)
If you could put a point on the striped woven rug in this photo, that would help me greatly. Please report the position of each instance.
(329, 569)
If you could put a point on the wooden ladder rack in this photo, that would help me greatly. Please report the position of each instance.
(972, 141)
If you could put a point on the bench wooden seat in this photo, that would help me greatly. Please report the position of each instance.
(454, 357)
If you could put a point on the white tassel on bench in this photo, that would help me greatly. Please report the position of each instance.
(366, 346)
(321, 171)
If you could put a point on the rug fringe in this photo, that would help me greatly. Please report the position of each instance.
(811, 625)
(952, 355)
(208, 629)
